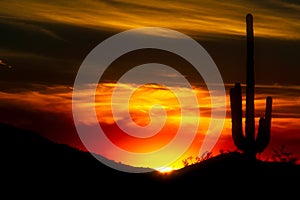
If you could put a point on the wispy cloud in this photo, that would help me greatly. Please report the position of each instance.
(273, 18)
(58, 99)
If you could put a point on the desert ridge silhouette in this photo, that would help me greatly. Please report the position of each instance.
(31, 161)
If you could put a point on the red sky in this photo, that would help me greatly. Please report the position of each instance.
(46, 42)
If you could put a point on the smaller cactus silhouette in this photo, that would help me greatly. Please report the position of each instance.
(249, 143)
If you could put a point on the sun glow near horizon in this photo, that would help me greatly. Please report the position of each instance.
(166, 170)
(143, 113)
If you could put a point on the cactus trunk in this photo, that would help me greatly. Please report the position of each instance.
(247, 142)
(250, 121)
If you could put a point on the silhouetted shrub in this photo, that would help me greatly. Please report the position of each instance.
(193, 160)
(282, 155)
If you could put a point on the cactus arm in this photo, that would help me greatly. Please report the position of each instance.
(268, 113)
(264, 129)
(236, 116)
(262, 139)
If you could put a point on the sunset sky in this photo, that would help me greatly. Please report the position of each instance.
(43, 44)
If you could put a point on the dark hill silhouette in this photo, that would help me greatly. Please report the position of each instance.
(31, 162)
(36, 153)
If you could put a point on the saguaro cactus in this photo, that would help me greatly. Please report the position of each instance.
(249, 143)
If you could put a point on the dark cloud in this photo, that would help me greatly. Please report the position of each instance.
(42, 58)
(276, 61)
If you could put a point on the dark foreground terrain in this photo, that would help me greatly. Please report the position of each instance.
(32, 165)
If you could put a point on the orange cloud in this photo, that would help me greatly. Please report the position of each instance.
(58, 100)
